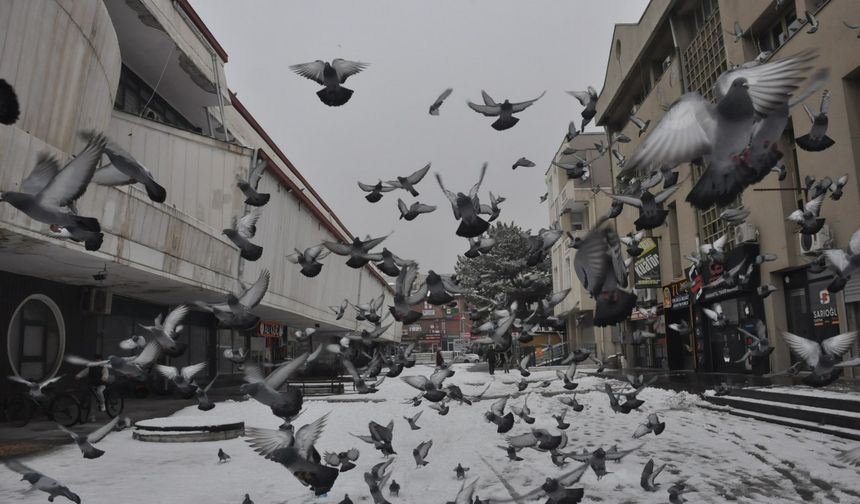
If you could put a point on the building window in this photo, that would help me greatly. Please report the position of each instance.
(36, 339)
(135, 97)
(780, 30)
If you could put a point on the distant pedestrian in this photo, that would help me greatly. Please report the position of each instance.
(491, 360)
(439, 360)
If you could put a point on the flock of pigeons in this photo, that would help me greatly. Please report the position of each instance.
(735, 139)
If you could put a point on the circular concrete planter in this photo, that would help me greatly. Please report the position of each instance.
(188, 429)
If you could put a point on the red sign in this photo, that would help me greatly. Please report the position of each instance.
(270, 329)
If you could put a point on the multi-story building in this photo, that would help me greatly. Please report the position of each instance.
(150, 75)
(445, 327)
(684, 46)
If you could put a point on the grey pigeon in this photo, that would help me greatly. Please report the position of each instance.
(631, 240)
(432, 387)
(619, 157)
(85, 442)
(222, 456)
(375, 484)
(720, 133)
(243, 230)
(651, 211)
(343, 459)
(812, 21)
(556, 490)
(652, 424)
(339, 310)
(570, 135)
(567, 376)
(10, 109)
(135, 367)
(203, 401)
(35, 389)
(361, 386)
(504, 111)
(559, 419)
(757, 344)
(715, 251)
(331, 75)
(413, 421)
(412, 211)
(523, 411)
(466, 208)
(817, 140)
(375, 191)
(479, 246)
(539, 439)
(843, 263)
(641, 125)
(235, 311)
(461, 471)
(597, 459)
(358, 251)
(405, 298)
(764, 291)
(419, 453)
(124, 169)
(249, 187)
(247, 500)
(434, 109)
(409, 182)
(649, 474)
(464, 495)
(808, 218)
(504, 422)
(676, 492)
(182, 379)
(836, 187)
(587, 99)
(619, 136)
(41, 482)
(286, 404)
(512, 453)
(440, 288)
(716, 315)
(823, 358)
(543, 197)
(442, 407)
(309, 259)
(49, 193)
(737, 32)
(572, 402)
(522, 162)
(394, 488)
(390, 263)
(579, 169)
(493, 209)
(380, 437)
(734, 215)
(295, 450)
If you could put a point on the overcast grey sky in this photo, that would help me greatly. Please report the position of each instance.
(514, 49)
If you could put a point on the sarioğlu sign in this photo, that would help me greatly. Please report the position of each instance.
(646, 267)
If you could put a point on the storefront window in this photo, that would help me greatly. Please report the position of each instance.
(36, 338)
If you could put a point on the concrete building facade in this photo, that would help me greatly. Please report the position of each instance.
(150, 75)
(683, 46)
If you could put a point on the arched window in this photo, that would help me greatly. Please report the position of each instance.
(36, 339)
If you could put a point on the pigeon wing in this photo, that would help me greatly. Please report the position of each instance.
(583, 96)
(519, 107)
(308, 435)
(312, 71)
(71, 182)
(99, 434)
(452, 198)
(473, 192)
(168, 372)
(266, 441)
(188, 372)
(254, 294)
(419, 382)
(46, 169)
(487, 110)
(246, 224)
(838, 345)
(806, 349)
(346, 68)
(769, 84)
(283, 373)
(418, 175)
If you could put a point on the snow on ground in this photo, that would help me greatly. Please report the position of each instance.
(723, 457)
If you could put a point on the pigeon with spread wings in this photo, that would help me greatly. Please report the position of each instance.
(331, 75)
(504, 111)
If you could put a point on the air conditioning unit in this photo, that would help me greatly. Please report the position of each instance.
(98, 301)
(820, 241)
(745, 232)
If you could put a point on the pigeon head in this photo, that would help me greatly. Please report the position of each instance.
(13, 198)
(740, 82)
(31, 478)
(550, 485)
(229, 233)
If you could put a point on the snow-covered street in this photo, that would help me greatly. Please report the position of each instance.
(722, 457)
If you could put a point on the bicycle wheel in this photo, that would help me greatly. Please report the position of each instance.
(114, 404)
(18, 410)
(65, 410)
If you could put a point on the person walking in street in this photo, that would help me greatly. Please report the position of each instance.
(491, 360)
(439, 360)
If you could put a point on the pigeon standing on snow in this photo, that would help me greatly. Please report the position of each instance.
(222, 456)
(522, 162)
(817, 140)
(41, 482)
(85, 442)
(412, 211)
(10, 109)
(504, 111)
(243, 230)
(49, 193)
(434, 109)
(247, 500)
(394, 488)
(649, 474)
(419, 453)
(375, 191)
(331, 75)
(461, 471)
(587, 99)
(409, 182)
(309, 260)
(124, 170)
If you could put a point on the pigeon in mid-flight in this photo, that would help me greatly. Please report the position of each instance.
(409, 182)
(651, 212)
(587, 99)
(331, 75)
(735, 215)
(295, 450)
(556, 490)
(823, 357)
(504, 421)
(631, 240)
(243, 230)
(652, 424)
(309, 259)
(419, 453)
(522, 162)
(597, 459)
(235, 311)
(432, 387)
(41, 482)
(134, 367)
(390, 264)
(85, 441)
(375, 191)
(249, 187)
(649, 474)
(467, 208)
(413, 421)
(182, 378)
(124, 169)
(434, 109)
(167, 330)
(843, 263)
(358, 251)
(641, 125)
(284, 400)
(343, 459)
(817, 140)
(49, 193)
(808, 219)
(10, 109)
(737, 32)
(412, 211)
(405, 298)
(35, 389)
(812, 21)
(380, 437)
(504, 111)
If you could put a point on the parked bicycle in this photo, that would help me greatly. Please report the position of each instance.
(62, 407)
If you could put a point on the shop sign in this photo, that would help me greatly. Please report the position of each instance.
(270, 329)
(646, 267)
(675, 297)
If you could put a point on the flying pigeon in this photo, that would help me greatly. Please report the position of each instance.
(408, 183)
(653, 424)
(675, 493)
(522, 162)
(41, 482)
(222, 456)
(479, 246)
(567, 376)
(737, 32)
(309, 259)
(182, 379)
(405, 298)
(493, 209)
(358, 251)
(48, 193)
(247, 500)
(412, 211)
(812, 21)
(420, 453)
(124, 169)
(466, 208)
(413, 421)
(380, 437)
(619, 136)
(286, 403)
(543, 197)
(249, 187)
(808, 219)
(823, 357)
(504, 422)
(133, 343)
(167, 330)
(597, 459)
(649, 474)
(339, 310)
(235, 311)
(559, 419)
(587, 99)
(376, 480)
(757, 344)
(390, 263)
(556, 490)
(134, 367)
(843, 263)
(375, 191)
(817, 140)
(203, 401)
(716, 315)
(295, 450)
(836, 187)
(504, 111)
(10, 109)
(244, 228)
(442, 408)
(331, 75)
(434, 109)
(85, 442)
(651, 211)
(361, 386)
(35, 389)
(715, 251)
(735, 215)
(631, 240)
(343, 459)
(432, 387)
